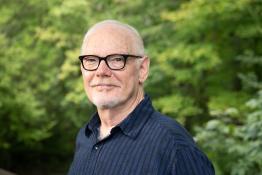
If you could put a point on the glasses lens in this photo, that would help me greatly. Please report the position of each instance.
(90, 62)
(116, 61)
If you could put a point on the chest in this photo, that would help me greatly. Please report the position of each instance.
(122, 155)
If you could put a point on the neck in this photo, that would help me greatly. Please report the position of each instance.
(111, 117)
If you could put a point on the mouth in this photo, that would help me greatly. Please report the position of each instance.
(103, 86)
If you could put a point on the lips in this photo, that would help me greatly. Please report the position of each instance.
(103, 86)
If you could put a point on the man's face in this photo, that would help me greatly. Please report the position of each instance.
(108, 88)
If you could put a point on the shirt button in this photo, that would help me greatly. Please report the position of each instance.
(96, 147)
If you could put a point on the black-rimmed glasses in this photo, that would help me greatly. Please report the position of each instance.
(114, 61)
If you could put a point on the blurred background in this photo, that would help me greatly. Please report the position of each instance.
(206, 72)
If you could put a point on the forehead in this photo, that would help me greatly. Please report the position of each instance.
(106, 40)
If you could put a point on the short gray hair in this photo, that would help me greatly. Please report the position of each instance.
(139, 44)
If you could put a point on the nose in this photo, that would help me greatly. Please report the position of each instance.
(103, 69)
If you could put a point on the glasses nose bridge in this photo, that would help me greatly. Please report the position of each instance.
(103, 59)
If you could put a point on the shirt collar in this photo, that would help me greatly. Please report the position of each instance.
(132, 124)
(93, 124)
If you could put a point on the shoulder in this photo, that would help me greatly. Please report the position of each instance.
(185, 156)
(172, 128)
(191, 160)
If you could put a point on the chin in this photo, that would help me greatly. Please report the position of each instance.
(106, 101)
(105, 104)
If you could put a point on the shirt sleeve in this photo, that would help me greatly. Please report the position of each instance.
(190, 160)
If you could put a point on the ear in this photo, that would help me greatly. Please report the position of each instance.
(144, 69)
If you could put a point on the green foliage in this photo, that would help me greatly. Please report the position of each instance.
(205, 65)
(177, 105)
(202, 60)
(240, 153)
(33, 111)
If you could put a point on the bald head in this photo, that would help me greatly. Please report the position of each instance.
(114, 35)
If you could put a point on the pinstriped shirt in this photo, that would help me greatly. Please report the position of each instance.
(144, 143)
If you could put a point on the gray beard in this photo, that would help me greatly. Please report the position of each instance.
(108, 105)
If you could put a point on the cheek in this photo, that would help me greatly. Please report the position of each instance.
(86, 80)
(87, 75)
(131, 81)
(86, 83)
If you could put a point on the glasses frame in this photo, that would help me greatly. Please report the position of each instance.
(126, 56)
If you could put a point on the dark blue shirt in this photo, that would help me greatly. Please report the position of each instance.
(145, 143)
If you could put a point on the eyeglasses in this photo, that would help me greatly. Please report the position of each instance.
(114, 61)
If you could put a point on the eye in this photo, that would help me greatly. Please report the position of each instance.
(116, 58)
(90, 59)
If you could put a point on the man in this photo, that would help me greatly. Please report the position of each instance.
(127, 136)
